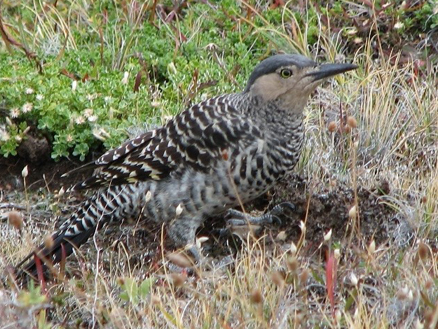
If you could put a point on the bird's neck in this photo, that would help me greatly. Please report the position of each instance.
(283, 129)
(274, 117)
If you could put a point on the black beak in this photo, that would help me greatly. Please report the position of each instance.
(328, 70)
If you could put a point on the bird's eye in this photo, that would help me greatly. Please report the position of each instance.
(286, 73)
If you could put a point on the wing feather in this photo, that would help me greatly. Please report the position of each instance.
(193, 139)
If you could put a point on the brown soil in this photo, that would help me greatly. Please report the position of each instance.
(328, 209)
(44, 174)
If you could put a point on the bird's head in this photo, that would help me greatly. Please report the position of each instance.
(290, 79)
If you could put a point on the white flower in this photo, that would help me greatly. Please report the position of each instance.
(80, 120)
(15, 112)
(27, 107)
(107, 99)
(92, 118)
(4, 135)
(100, 134)
(90, 97)
(39, 97)
(398, 25)
(69, 138)
(125, 78)
(74, 85)
(29, 91)
(88, 113)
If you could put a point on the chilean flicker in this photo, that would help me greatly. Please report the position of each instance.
(215, 155)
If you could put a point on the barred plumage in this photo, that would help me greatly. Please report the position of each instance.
(209, 158)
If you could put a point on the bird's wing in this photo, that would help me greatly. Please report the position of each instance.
(114, 154)
(134, 160)
(196, 138)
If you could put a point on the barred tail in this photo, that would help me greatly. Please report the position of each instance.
(100, 209)
(62, 247)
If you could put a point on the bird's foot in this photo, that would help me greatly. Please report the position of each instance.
(185, 260)
(238, 218)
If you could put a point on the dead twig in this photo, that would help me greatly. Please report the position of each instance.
(11, 41)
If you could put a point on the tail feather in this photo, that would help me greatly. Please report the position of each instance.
(72, 234)
(100, 209)
(61, 248)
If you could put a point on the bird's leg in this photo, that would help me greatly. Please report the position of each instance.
(184, 261)
(238, 218)
(182, 232)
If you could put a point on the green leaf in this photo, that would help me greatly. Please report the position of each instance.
(145, 287)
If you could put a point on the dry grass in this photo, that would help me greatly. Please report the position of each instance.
(276, 284)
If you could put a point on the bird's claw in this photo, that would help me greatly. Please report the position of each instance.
(281, 208)
(238, 218)
(234, 214)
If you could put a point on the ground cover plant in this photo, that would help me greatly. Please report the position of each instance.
(360, 251)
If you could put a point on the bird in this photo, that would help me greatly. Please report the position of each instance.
(214, 156)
